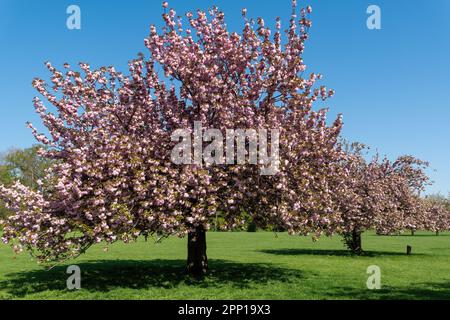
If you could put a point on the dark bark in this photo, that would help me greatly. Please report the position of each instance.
(408, 250)
(197, 261)
(437, 233)
(353, 241)
(413, 232)
(356, 240)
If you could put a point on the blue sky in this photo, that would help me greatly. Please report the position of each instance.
(392, 85)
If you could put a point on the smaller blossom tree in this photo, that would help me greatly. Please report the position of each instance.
(378, 194)
(436, 215)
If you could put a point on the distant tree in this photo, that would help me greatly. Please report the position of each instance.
(439, 198)
(437, 213)
(24, 165)
(5, 175)
(5, 179)
(376, 194)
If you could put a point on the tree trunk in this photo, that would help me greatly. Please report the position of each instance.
(412, 232)
(437, 233)
(353, 241)
(197, 261)
(356, 241)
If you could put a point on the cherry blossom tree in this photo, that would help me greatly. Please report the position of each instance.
(378, 194)
(110, 141)
(411, 204)
(435, 215)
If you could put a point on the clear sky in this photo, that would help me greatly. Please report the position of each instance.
(392, 85)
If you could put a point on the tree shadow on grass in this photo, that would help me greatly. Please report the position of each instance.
(421, 291)
(336, 252)
(105, 275)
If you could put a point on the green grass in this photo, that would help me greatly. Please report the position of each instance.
(242, 266)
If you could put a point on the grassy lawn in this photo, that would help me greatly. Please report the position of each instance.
(242, 266)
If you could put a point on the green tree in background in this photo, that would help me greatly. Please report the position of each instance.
(25, 165)
(437, 197)
(6, 179)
